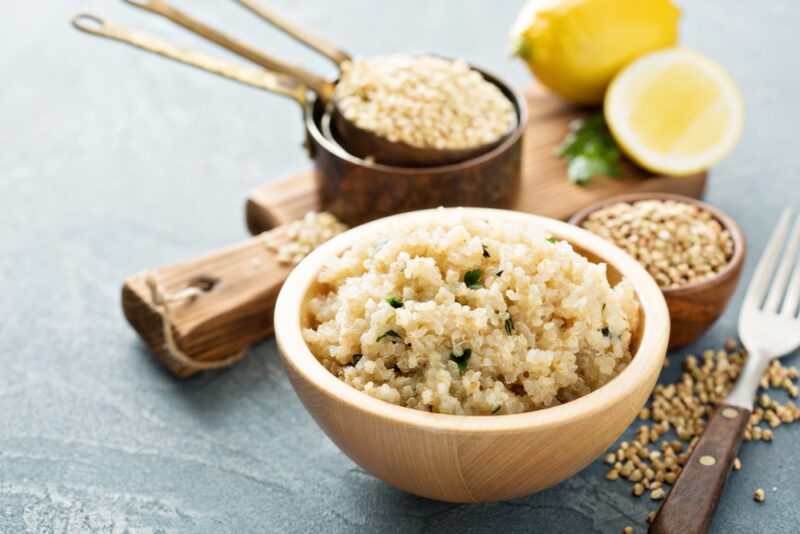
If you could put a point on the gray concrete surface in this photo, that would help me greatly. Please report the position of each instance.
(113, 161)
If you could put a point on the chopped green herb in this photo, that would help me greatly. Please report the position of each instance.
(509, 325)
(394, 303)
(485, 252)
(551, 239)
(473, 279)
(606, 332)
(497, 408)
(590, 150)
(604, 307)
(462, 360)
(390, 333)
(499, 273)
(357, 358)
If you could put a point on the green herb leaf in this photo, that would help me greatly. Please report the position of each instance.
(606, 332)
(509, 325)
(551, 239)
(485, 252)
(357, 358)
(473, 279)
(499, 273)
(462, 360)
(394, 303)
(390, 333)
(590, 150)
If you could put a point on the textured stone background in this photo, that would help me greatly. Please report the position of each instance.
(113, 161)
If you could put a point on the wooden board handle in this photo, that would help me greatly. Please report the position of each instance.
(690, 505)
(204, 313)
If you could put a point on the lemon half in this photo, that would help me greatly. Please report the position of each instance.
(675, 111)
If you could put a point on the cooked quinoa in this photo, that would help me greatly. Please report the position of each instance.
(458, 315)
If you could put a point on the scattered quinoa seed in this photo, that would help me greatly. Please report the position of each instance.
(296, 240)
(627, 530)
(683, 408)
(759, 495)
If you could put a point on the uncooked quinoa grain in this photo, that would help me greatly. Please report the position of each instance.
(677, 242)
(759, 495)
(683, 408)
(423, 101)
(453, 352)
(296, 240)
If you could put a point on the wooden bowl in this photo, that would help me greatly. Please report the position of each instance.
(695, 307)
(473, 458)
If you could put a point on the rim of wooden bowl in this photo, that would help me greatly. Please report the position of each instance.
(512, 93)
(739, 242)
(645, 363)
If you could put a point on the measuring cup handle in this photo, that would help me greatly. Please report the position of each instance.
(254, 77)
(315, 42)
(322, 87)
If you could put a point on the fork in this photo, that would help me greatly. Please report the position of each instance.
(768, 328)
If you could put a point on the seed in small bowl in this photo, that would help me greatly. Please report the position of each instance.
(678, 243)
(693, 251)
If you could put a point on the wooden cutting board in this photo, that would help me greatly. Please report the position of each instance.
(202, 314)
(545, 190)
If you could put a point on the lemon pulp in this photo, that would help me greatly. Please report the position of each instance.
(674, 111)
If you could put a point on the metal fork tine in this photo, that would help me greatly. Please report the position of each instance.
(793, 292)
(778, 288)
(766, 266)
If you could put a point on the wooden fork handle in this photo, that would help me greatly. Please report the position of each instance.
(690, 505)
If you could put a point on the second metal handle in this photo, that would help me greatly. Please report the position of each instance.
(319, 85)
(259, 78)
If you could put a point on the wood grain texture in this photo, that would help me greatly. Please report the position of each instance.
(235, 312)
(479, 458)
(693, 308)
(545, 189)
(690, 505)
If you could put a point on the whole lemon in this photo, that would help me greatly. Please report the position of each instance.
(575, 47)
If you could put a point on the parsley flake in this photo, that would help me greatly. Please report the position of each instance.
(590, 150)
(509, 325)
(394, 303)
(390, 333)
(606, 332)
(473, 279)
(462, 360)
(485, 252)
(357, 358)
(551, 239)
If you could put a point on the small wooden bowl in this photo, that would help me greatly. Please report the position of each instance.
(473, 458)
(695, 307)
